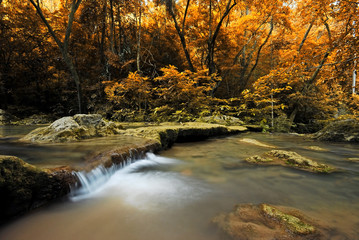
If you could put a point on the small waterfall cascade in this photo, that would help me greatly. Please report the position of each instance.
(91, 182)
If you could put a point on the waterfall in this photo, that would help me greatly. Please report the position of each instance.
(93, 181)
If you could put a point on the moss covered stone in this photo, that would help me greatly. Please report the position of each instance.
(339, 131)
(67, 129)
(292, 223)
(289, 159)
(24, 186)
(264, 221)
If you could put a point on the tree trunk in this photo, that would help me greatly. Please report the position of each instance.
(139, 36)
(212, 38)
(181, 34)
(103, 33)
(112, 30)
(63, 46)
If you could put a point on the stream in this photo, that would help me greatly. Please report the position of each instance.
(175, 194)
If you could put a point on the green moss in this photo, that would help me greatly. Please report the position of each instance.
(258, 159)
(24, 186)
(294, 224)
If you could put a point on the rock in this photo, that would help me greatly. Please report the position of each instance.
(254, 128)
(339, 131)
(316, 148)
(256, 142)
(24, 187)
(222, 119)
(289, 159)
(292, 223)
(263, 221)
(74, 128)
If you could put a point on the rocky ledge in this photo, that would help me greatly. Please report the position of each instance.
(264, 221)
(339, 131)
(168, 133)
(24, 187)
(289, 159)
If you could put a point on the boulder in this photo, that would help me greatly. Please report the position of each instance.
(74, 128)
(339, 131)
(221, 119)
(289, 159)
(264, 221)
(24, 187)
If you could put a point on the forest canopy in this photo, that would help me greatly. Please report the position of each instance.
(292, 62)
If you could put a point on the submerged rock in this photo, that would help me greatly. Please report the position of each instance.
(24, 187)
(256, 142)
(78, 127)
(289, 159)
(339, 131)
(264, 221)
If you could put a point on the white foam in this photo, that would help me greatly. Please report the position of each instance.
(141, 189)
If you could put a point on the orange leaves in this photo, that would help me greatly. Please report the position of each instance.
(181, 87)
(131, 92)
(173, 93)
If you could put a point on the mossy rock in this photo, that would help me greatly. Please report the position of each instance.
(264, 221)
(24, 186)
(292, 223)
(339, 131)
(67, 129)
(289, 159)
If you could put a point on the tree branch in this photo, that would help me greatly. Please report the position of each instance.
(39, 11)
(185, 15)
(250, 38)
(260, 49)
(228, 10)
(74, 6)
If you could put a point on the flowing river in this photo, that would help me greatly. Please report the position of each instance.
(174, 195)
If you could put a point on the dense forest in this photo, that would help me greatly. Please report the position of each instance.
(273, 62)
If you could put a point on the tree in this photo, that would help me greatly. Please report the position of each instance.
(181, 31)
(64, 45)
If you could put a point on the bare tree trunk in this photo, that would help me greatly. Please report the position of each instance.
(113, 46)
(139, 35)
(103, 33)
(259, 51)
(63, 46)
(354, 76)
(181, 33)
(212, 38)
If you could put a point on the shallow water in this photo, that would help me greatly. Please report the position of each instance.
(54, 155)
(175, 195)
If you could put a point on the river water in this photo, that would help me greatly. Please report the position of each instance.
(174, 195)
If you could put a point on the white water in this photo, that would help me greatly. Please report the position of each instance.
(139, 183)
